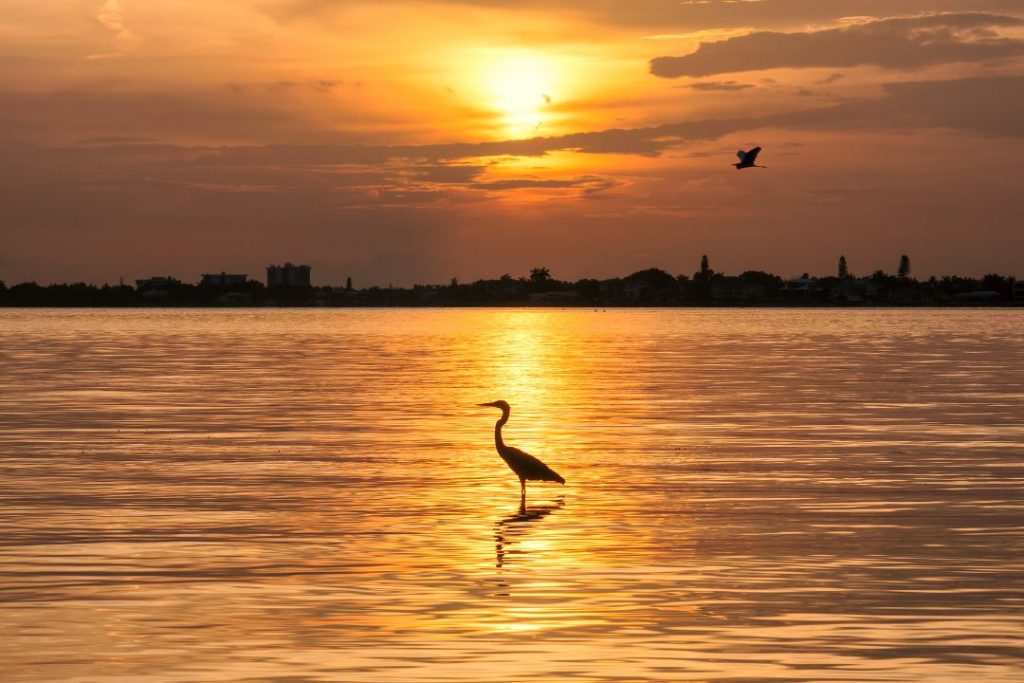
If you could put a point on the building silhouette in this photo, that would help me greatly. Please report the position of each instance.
(288, 274)
(221, 279)
(156, 283)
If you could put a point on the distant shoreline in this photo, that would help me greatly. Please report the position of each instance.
(651, 288)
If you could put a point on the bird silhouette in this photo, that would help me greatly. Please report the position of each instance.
(748, 159)
(526, 467)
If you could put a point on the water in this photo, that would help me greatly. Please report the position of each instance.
(312, 495)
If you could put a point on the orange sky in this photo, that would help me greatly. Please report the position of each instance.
(415, 141)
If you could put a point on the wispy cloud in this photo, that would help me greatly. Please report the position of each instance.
(321, 85)
(111, 15)
(830, 79)
(720, 86)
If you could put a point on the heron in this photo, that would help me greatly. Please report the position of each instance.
(526, 467)
(748, 159)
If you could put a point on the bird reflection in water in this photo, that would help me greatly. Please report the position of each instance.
(510, 530)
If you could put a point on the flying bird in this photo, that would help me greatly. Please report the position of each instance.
(748, 159)
(526, 467)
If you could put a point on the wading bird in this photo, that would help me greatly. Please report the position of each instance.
(526, 467)
(747, 159)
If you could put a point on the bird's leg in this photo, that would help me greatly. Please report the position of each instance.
(522, 493)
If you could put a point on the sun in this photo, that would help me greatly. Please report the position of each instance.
(519, 88)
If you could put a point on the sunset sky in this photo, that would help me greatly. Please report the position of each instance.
(402, 142)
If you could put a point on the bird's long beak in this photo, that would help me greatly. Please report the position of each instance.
(487, 405)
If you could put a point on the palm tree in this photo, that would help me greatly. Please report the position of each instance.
(540, 274)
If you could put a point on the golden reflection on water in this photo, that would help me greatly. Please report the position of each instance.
(315, 496)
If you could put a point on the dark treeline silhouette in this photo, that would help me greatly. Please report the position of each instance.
(651, 287)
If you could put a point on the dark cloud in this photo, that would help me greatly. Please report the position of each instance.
(830, 79)
(987, 106)
(449, 173)
(720, 86)
(897, 43)
(635, 141)
(520, 183)
(590, 184)
(982, 106)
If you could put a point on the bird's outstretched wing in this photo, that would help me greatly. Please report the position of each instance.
(751, 156)
(742, 155)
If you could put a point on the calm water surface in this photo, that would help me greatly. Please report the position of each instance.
(312, 495)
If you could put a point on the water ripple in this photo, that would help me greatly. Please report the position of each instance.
(313, 496)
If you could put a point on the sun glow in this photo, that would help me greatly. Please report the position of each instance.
(520, 86)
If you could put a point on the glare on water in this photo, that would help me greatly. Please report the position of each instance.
(313, 495)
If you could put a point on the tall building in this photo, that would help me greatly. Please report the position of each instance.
(221, 279)
(288, 274)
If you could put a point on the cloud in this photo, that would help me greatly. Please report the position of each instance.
(111, 15)
(590, 184)
(448, 173)
(323, 85)
(634, 141)
(983, 106)
(671, 15)
(720, 86)
(895, 43)
(992, 107)
(830, 79)
(346, 206)
(520, 183)
(236, 188)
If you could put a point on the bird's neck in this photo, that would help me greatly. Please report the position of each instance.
(498, 441)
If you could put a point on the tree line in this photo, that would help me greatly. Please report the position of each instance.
(650, 287)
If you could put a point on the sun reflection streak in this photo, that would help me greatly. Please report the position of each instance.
(348, 516)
